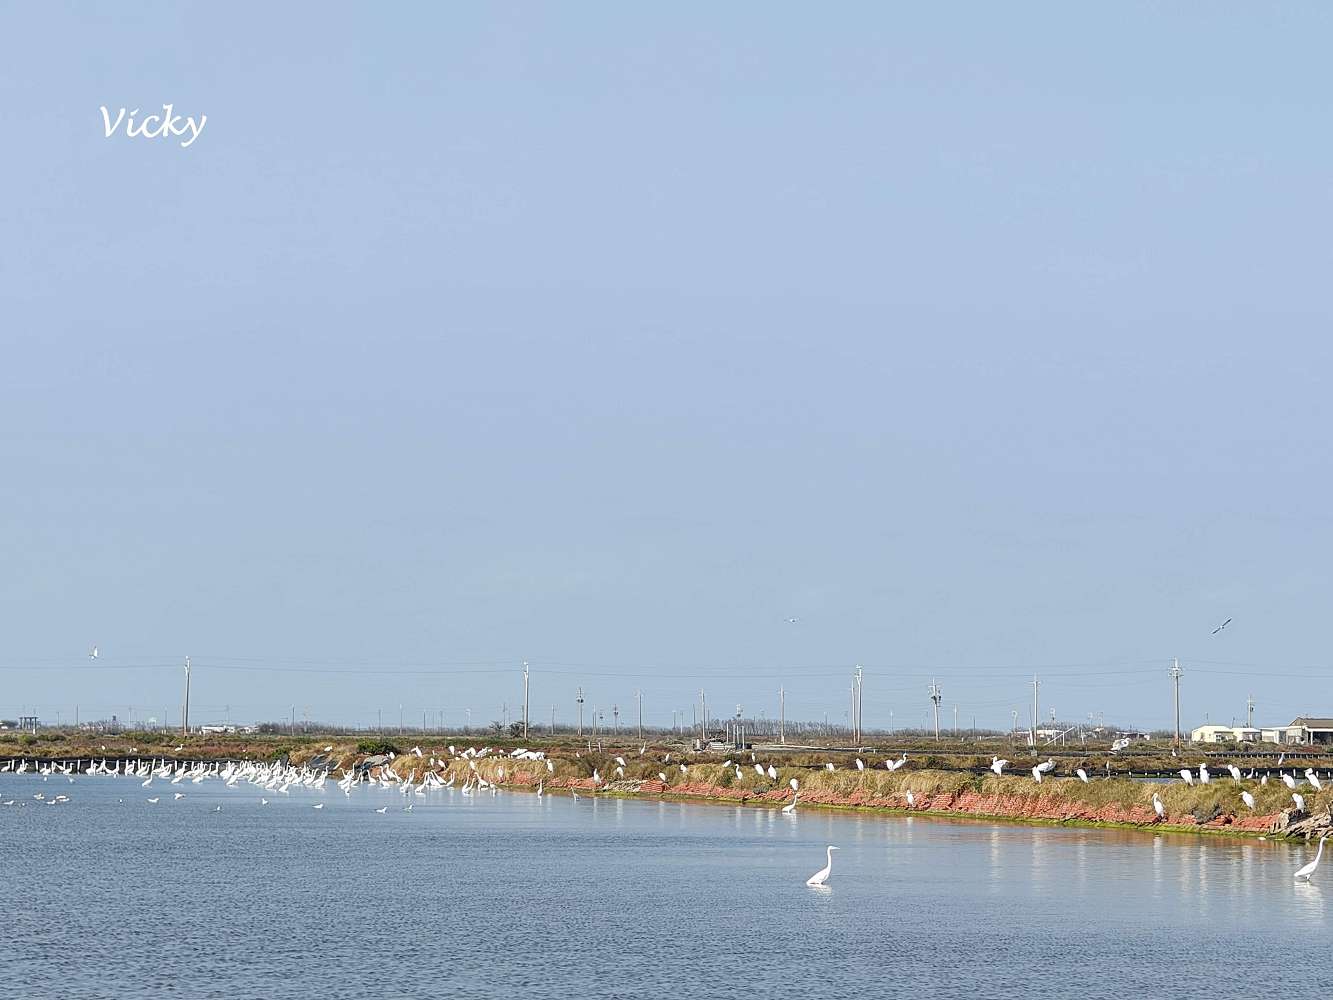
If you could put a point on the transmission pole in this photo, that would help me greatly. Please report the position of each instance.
(859, 737)
(1175, 677)
(1249, 712)
(638, 694)
(579, 698)
(935, 696)
(525, 699)
(1036, 701)
(782, 716)
(185, 715)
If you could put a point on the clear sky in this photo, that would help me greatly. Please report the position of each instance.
(981, 339)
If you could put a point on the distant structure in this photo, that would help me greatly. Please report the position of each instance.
(1306, 730)
(28, 723)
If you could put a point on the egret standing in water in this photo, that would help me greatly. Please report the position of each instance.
(821, 876)
(1301, 873)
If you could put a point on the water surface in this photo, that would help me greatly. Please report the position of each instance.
(515, 895)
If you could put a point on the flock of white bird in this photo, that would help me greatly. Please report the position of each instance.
(279, 778)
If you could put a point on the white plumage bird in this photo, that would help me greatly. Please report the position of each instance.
(1082, 775)
(1157, 806)
(1308, 870)
(1313, 779)
(821, 876)
(1187, 775)
(1248, 799)
(1299, 799)
(1289, 781)
(998, 765)
(1036, 775)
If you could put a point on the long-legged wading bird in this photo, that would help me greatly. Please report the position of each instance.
(1248, 799)
(1307, 870)
(1157, 806)
(998, 765)
(1036, 774)
(1187, 775)
(1082, 775)
(1203, 774)
(790, 808)
(1289, 781)
(1313, 778)
(821, 876)
(1299, 799)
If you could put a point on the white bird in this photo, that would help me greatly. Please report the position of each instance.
(758, 769)
(821, 876)
(263, 802)
(795, 785)
(1187, 775)
(319, 805)
(1235, 772)
(791, 621)
(911, 799)
(1047, 765)
(1313, 778)
(596, 778)
(152, 801)
(1220, 627)
(790, 808)
(1203, 774)
(998, 765)
(1263, 781)
(620, 761)
(382, 810)
(772, 773)
(1036, 775)
(1289, 781)
(1082, 775)
(94, 654)
(328, 748)
(860, 764)
(1280, 758)
(178, 796)
(662, 776)
(1306, 871)
(1248, 799)
(539, 788)
(1299, 799)
(828, 767)
(1157, 806)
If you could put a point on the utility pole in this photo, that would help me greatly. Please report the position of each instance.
(525, 699)
(185, 715)
(935, 696)
(1036, 701)
(703, 709)
(579, 698)
(1175, 678)
(782, 716)
(552, 720)
(955, 722)
(638, 694)
(615, 718)
(859, 738)
(1249, 712)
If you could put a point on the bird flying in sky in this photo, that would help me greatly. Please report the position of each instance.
(1220, 627)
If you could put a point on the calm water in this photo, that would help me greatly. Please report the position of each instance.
(520, 896)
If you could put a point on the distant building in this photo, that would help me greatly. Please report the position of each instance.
(1304, 730)
(208, 730)
(1316, 730)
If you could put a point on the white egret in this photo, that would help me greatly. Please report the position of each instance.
(772, 773)
(860, 764)
(1263, 781)
(178, 796)
(1036, 775)
(662, 776)
(319, 805)
(1235, 772)
(1157, 806)
(1203, 774)
(790, 808)
(94, 654)
(998, 765)
(1289, 781)
(1313, 779)
(828, 767)
(1047, 765)
(382, 810)
(1248, 799)
(620, 761)
(152, 801)
(539, 788)
(327, 749)
(1187, 775)
(1220, 627)
(911, 799)
(821, 876)
(1082, 775)
(1308, 870)
(1299, 799)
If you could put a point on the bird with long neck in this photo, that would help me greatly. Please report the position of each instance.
(1308, 870)
(821, 876)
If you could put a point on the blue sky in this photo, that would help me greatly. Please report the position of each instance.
(983, 341)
